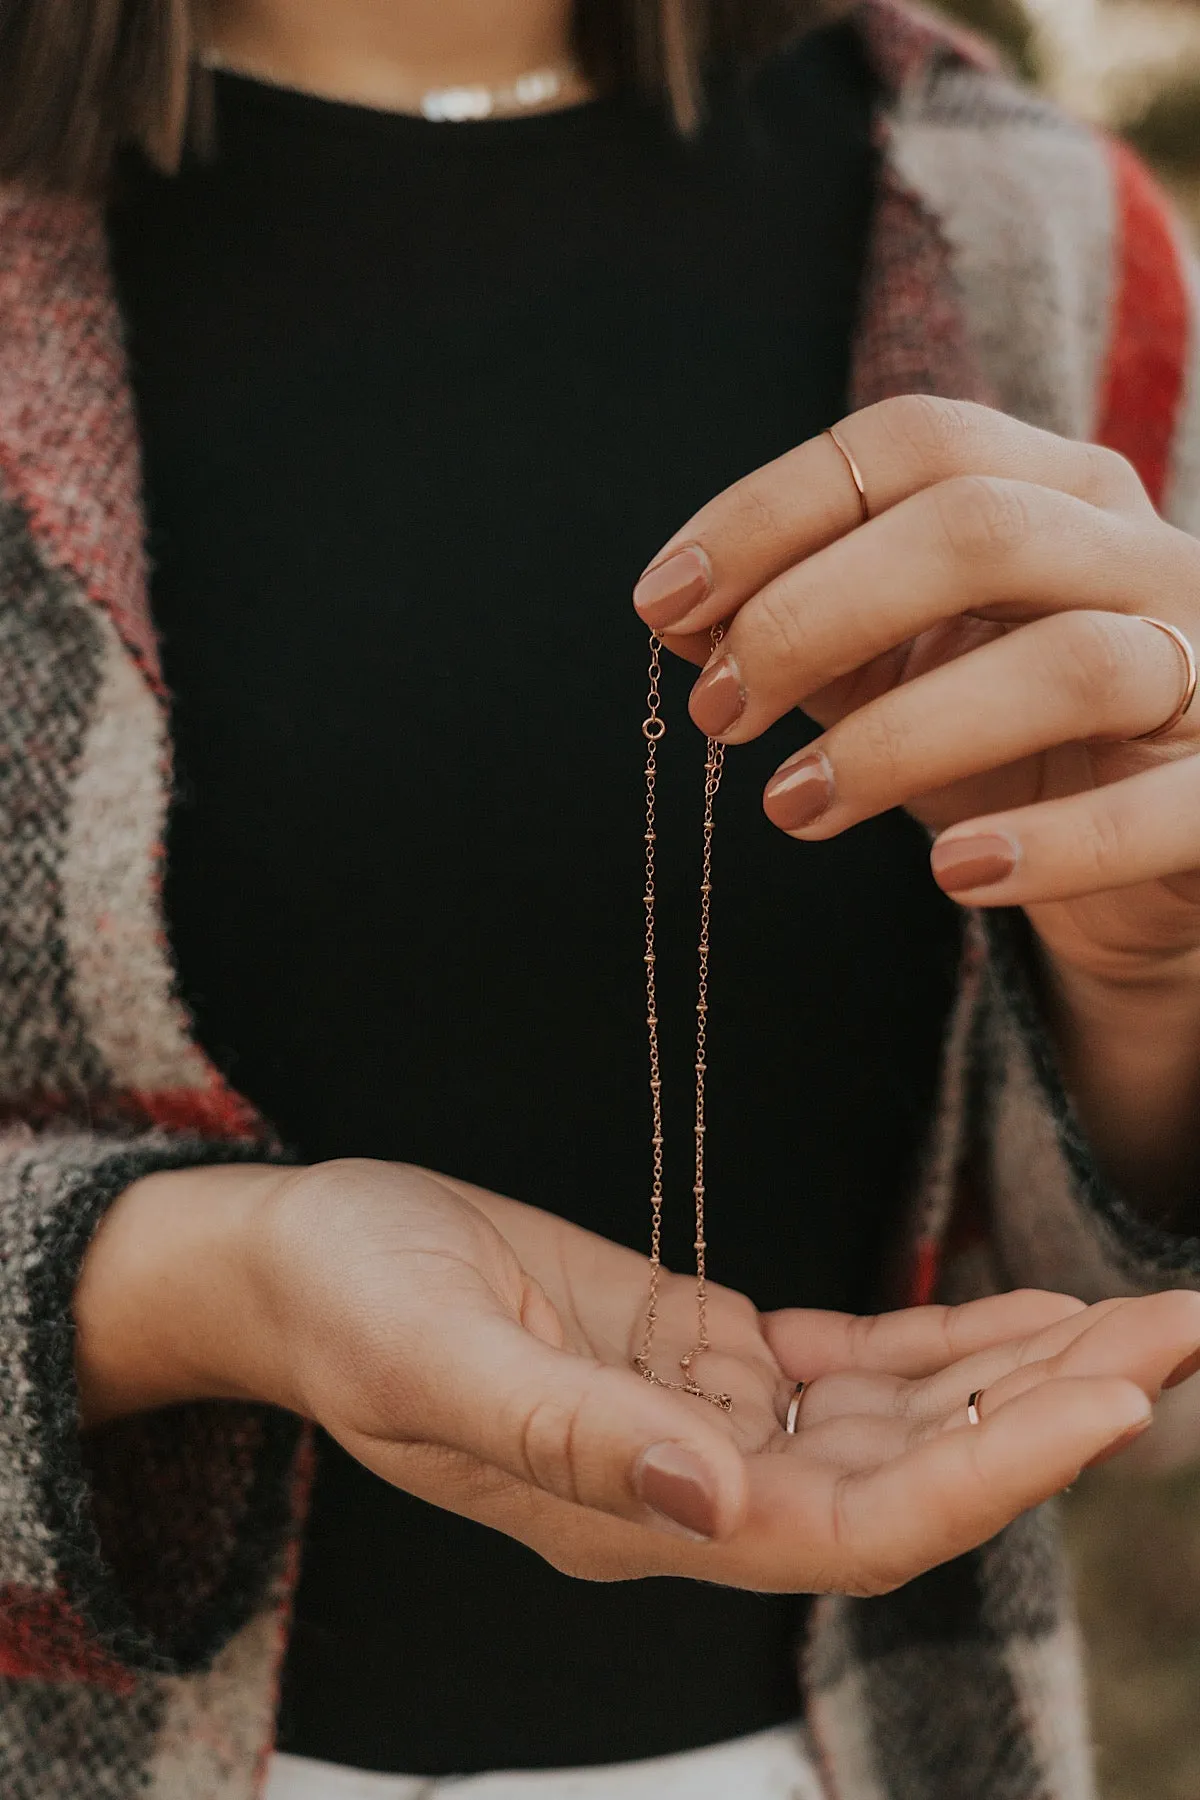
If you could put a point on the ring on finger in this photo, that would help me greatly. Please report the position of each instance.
(973, 1416)
(793, 1411)
(1189, 678)
(856, 475)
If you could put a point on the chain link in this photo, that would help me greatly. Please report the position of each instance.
(653, 730)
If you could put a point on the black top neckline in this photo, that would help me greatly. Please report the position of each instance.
(312, 111)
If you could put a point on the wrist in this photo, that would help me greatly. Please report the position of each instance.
(1129, 1046)
(173, 1302)
(1093, 960)
(1148, 1005)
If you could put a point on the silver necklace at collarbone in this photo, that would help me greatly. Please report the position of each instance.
(451, 105)
(456, 105)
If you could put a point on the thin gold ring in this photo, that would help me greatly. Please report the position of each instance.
(1189, 678)
(855, 472)
(973, 1417)
(793, 1411)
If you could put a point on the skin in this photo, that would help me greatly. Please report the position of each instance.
(475, 1351)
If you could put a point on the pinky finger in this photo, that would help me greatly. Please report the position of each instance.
(1144, 828)
(956, 1491)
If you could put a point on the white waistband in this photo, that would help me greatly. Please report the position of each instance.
(771, 1765)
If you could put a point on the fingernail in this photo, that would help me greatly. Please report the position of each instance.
(676, 1484)
(718, 698)
(800, 792)
(973, 862)
(1122, 1443)
(671, 589)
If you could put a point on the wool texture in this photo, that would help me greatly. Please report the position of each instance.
(1016, 259)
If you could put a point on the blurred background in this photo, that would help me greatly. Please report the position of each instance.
(1132, 66)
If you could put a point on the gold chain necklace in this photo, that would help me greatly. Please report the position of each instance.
(654, 730)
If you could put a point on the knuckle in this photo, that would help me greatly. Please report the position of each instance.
(937, 434)
(910, 1405)
(1042, 1311)
(462, 1481)
(1102, 846)
(549, 1447)
(1063, 1305)
(955, 1322)
(1094, 660)
(861, 1334)
(1110, 479)
(777, 623)
(581, 1561)
(884, 743)
(755, 514)
(887, 1584)
(865, 1584)
(983, 519)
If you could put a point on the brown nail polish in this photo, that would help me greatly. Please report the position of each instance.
(973, 862)
(718, 698)
(675, 1484)
(800, 792)
(670, 590)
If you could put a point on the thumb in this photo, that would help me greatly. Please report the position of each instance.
(584, 1431)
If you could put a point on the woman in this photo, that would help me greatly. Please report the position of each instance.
(437, 326)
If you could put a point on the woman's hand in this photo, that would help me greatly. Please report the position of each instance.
(973, 653)
(477, 1353)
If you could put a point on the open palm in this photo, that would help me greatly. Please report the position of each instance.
(477, 1353)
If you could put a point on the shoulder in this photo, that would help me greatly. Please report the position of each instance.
(1075, 280)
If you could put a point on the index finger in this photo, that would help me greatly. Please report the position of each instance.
(807, 498)
(914, 1343)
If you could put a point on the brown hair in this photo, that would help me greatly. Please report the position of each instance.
(80, 77)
